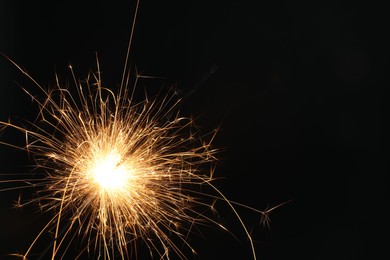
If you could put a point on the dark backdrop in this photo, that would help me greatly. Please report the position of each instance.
(300, 93)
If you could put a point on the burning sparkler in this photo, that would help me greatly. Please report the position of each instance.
(118, 170)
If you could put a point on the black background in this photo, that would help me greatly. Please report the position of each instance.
(300, 94)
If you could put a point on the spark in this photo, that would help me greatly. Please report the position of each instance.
(107, 172)
(118, 170)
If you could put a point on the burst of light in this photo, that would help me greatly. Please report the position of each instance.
(118, 171)
(108, 172)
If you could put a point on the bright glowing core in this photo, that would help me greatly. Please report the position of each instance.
(109, 173)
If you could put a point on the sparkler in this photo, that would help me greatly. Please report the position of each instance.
(118, 170)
